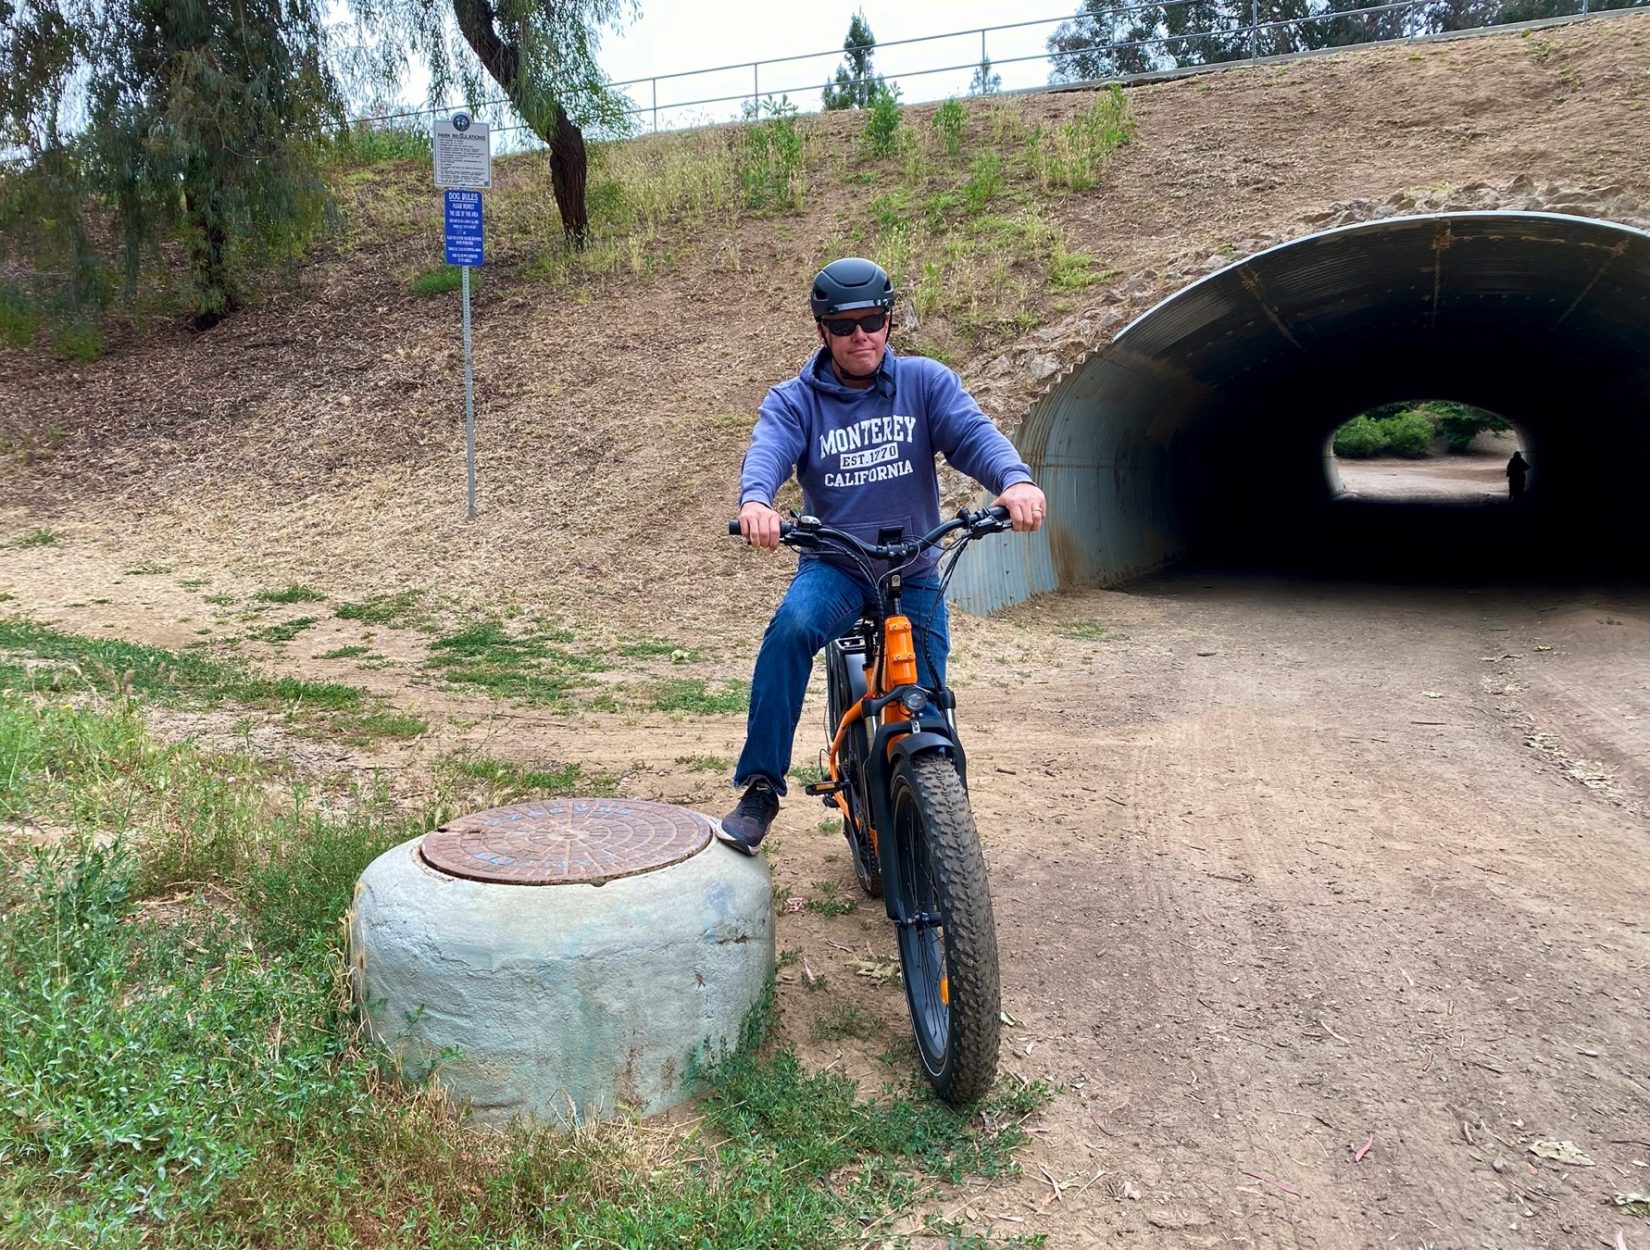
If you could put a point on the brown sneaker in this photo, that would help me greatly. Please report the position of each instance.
(747, 824)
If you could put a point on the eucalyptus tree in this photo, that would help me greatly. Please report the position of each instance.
(180, 122)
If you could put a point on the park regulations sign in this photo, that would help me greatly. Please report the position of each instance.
(463, 153)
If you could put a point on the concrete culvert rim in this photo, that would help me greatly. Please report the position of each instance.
(1199, 432)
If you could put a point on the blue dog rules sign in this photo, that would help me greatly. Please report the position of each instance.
(463, 221)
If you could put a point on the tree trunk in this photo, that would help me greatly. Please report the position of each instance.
(568, 167)
(501, 58)
(209, 247)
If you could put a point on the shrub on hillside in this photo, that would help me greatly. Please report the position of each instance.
(1459, 424)
(1359, 439)
(882, 120)
(1409, 434)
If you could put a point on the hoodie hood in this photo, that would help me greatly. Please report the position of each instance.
(819, 375)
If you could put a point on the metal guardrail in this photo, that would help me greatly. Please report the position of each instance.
(1410, 29)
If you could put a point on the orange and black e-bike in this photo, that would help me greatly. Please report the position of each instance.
(895, 770)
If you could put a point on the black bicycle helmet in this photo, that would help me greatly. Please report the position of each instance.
(850, 283)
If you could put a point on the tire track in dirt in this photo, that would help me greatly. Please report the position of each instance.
(1321, 904)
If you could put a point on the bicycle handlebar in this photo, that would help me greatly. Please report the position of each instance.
(808, 531)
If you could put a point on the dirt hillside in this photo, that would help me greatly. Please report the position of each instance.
(319, 437)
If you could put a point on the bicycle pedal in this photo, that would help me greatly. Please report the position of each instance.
(824, 789)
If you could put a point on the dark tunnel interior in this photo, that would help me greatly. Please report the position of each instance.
(1201, 433)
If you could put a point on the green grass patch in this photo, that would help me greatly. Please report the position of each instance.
(1091, 631)
(646, 648)
(531, 667)
(441, 280)
(693, 695)
(181, 1069)
(20, 317)
(354, 651)
(78, 342)
(295, 593)
(286, 631)
(401, 610)
(506, 782)
(188, 679)
(35, 538)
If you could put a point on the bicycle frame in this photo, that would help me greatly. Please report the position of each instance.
(887, 673)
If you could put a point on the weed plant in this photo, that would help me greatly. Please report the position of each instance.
(883, 122)
(79, 342)
(770, 158)
(366, 144)
(950, 120)
(1072, 156)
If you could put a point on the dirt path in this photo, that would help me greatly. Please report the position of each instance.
(1478, 476)
(1297, 866)
(1279, 868)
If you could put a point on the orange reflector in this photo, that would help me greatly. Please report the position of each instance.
(945, 990)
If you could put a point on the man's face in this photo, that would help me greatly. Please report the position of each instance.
(861, 351)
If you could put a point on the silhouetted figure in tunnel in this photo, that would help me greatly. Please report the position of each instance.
(1518, 469)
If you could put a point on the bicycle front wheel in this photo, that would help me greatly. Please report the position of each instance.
(948, 939)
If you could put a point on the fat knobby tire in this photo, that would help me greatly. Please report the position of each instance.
(968, 1065)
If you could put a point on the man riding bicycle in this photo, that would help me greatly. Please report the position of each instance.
(860, 427)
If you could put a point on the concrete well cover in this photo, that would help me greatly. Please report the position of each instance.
(559, 841)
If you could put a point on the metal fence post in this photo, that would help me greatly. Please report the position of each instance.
(756, 88)
(1254, 30)
(655, 106)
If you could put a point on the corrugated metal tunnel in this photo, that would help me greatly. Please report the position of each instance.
(1202, 430)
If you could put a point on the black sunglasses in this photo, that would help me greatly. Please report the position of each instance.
(842, 327)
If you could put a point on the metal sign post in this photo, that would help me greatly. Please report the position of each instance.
(464, 167)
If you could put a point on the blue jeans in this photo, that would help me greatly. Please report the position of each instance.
(822, 602)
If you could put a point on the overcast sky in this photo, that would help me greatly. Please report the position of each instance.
(672, 37)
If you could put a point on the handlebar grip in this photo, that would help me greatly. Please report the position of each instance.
(1000, 512)
(785, 528)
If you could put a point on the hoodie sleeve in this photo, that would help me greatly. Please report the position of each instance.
(776, 444)
(966, 436)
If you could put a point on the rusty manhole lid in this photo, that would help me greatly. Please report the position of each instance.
(558, 841)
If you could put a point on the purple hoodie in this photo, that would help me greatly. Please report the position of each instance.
(865, 458)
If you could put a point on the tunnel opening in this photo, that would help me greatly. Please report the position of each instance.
(1201, 432)
(1428, 450)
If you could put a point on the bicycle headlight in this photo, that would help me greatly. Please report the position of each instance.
(913, 700)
